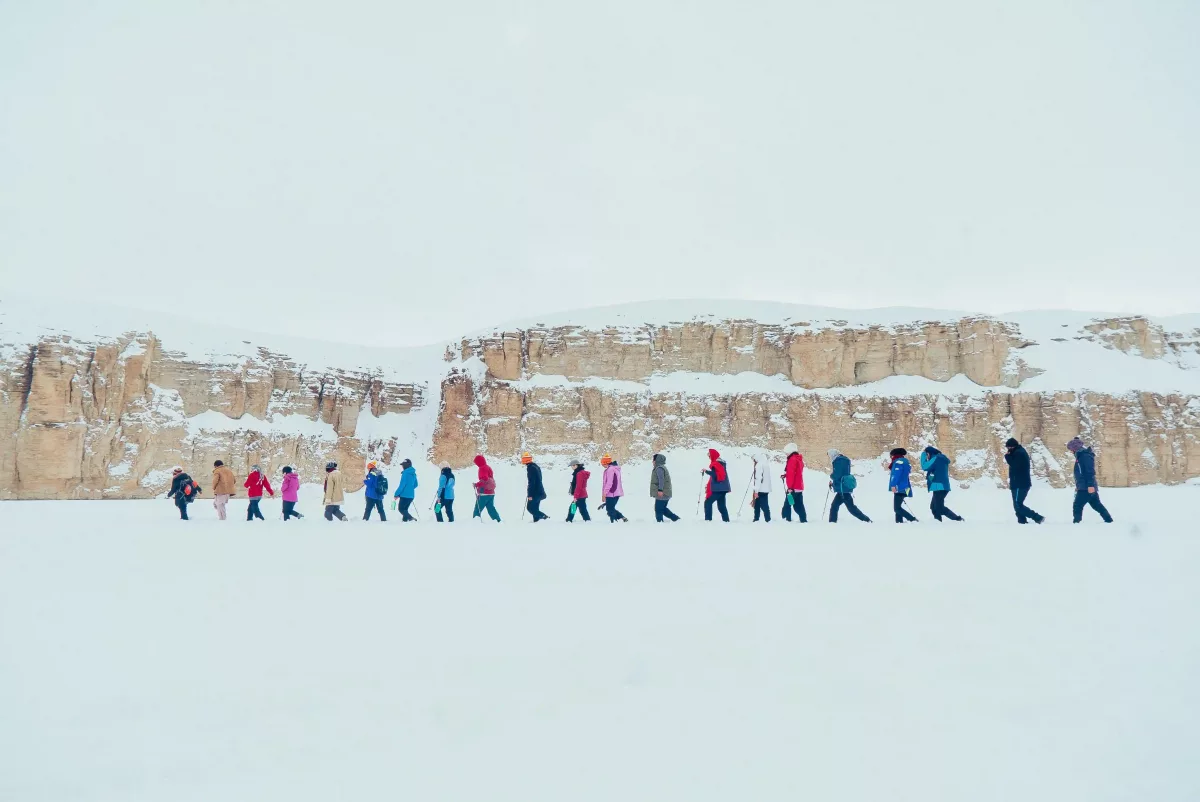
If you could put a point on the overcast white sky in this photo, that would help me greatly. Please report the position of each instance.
(405, 171)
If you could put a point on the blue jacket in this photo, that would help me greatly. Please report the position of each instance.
(898, 481)
(937, 470)
(719, 485)
(408, 484)
(1085, 469)
(446, 487)
(371, 483)
(534, 489)
(841, 469)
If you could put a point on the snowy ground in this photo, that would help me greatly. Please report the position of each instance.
(141, 660)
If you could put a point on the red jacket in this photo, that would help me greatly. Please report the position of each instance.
(579, 485)
(793, 476)
(255, 484)
(486, 486)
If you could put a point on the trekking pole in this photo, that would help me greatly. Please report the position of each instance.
(826, 504)
(744, 495)
(699, 498)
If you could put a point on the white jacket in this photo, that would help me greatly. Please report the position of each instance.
(760, 480)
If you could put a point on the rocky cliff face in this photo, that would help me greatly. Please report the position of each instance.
(106, 417)
(109, 418)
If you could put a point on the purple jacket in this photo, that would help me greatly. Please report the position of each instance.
(290, 487)
(612, 482)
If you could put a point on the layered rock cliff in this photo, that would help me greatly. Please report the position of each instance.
(105, 416)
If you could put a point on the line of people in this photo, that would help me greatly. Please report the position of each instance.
(716, 488)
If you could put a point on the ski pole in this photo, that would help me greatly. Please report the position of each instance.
(700, 497)
(744, 495)
(826, 504)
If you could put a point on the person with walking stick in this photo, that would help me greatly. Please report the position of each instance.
(718, 486)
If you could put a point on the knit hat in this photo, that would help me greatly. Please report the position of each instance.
(833, 453)
(371, 466)
(1076, 445)
(1011, 443)
(899, 452)
(526, 458)
(287, 468)
(791, 448)
(606, 460)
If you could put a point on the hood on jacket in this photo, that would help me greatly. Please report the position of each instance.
(1011, 443)
(713, 455)
(1076, 445)
(660, 460)
(833, 454)
(287, 468)
(931, 451)
(479, 460)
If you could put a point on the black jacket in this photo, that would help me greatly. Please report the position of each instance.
(534, 488)
(177, 488)
(1018, 467)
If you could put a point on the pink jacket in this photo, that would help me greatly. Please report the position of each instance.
(290, 487)
(612, 482)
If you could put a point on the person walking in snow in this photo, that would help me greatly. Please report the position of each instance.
(718, 486)
(485, 490)
(612, 488)
(445, 494)
(375, 486)
(290, 491)
(406, 490)
(1087, 491)
(255, 484)
(937, 477)
(183, 491)
(222, 487)
(899, 483)
(579, 494)
(842, 483)
(535, 492)
(335, 493)
(660, 489)
(793, 483)
(1020, 480)
(760, 486)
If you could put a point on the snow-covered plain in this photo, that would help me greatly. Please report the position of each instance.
(146, 659)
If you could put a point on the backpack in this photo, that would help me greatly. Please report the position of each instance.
(190, 490)
(381, 485)
(849, 483)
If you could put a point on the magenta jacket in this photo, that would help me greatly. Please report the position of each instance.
(612, 482)
(290, 487)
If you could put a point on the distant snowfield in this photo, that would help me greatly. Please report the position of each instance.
(146, 659)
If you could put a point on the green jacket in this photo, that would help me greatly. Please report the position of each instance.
(660, 478)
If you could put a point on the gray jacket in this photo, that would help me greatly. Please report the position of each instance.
(660, 478)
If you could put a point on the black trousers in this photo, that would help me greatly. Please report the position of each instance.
(334, 511)
(661, 511)
(846, 499)
(448, 508)
(1086, 499)
(252, 510)
(718, 498)
(289, 510)
(938, 506)
(760, 506)
(374, 504)
(534, 506)
(1023, 512)
(902, 514)
(797, 504)
(403, 504)
(610, 506)
(182, 503)
(581, 508)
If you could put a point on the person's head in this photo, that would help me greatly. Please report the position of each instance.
(660, 459)
(1076, 445)
(255, 469)
(176, 470)
(372, 466)
(791, 448)
(446, 469)
(930, 450)
(406, 463)
(218, 464)
(479, 460)
(287, 469)
(833, 454)
(713, 455)
(899, 452)
(330, 467)
(526, 458)
(606, 460)
(1011, 443)
(578, 465)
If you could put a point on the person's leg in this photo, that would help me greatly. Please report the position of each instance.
(478, 513)
(785, 512)
(490, 503)
(833, 508)
(583, 509)
(798, 504)
(437, 513)
(1094, 502)
(855, 511)
(448, 508)
(659, 506)
(766, 506)
(708, 505)
(935, 506)
(329, 508)
(898, 506)
(570, 513)
(182, 505)
(379, 506)
(258, 511)
(404, 505)
(1026, 510)
(337, 510)
(250, 509)
(367, 509)
(610, 505)
(721, 505)
(220, 503)
(949, 513)
(287, 509)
